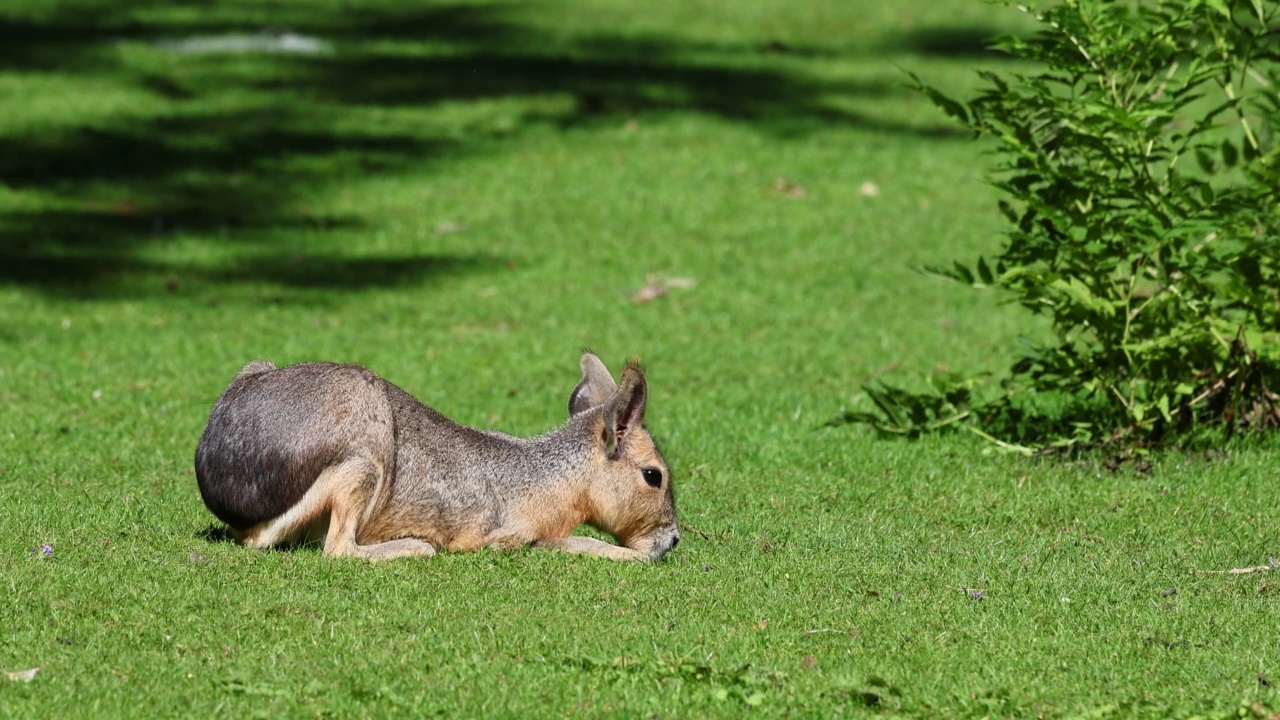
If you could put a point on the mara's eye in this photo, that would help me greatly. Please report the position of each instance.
(653, 476)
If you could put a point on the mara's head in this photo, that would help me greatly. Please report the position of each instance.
(630, 494)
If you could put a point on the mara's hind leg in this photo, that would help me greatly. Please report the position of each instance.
(353, 487)
(304, 519)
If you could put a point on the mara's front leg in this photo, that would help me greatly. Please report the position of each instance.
(404, 547)
(590, 546)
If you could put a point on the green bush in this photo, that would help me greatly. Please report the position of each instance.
(1140, 173)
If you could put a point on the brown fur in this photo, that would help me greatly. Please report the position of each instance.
(334, 451)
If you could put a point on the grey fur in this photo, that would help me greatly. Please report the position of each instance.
(406, 471)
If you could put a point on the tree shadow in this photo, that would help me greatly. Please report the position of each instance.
(88, 255)
(238, 142)
(124, 193)
(962, 43)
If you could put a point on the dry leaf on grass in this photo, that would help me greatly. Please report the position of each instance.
(705, 535)
(786, 188)
(869, 189)
(1272, 564)
(23, 675)
(650, 292)
(656, 287)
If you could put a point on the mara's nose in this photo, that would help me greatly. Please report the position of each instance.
(675, 540)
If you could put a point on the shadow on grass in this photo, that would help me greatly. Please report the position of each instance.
(231, 178)
(958, 43)
(110, 265)
(215, 534)
(237, 143)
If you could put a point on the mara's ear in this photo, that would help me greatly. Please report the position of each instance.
(595, 387)
(624, 411)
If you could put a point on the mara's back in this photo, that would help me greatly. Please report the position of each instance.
(451, 481)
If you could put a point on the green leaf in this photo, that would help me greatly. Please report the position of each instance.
(1206, 163)
(1251, 152)
(884, 399)
(1206, 193)
(946, 104)
(959, 273)
(1250, 269)
(1007, 210)
(984, 272)
(1218, 5)
(1257, 9)
(1229, 154)
(1079, 293)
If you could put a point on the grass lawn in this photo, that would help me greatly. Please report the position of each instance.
(461, 196)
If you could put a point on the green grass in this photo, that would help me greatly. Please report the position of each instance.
(461, 196)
